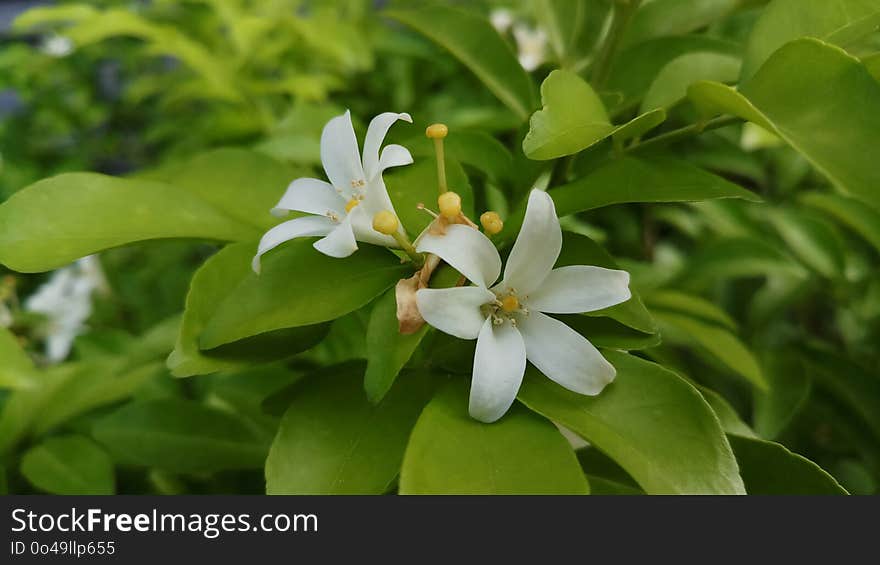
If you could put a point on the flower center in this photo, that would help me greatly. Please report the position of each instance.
(506, 307)
(351, 205)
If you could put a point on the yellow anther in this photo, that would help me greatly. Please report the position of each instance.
(510, 303)
(437, 131)
(450, 204)
(351, 204)
(385, 222)
(491, 222)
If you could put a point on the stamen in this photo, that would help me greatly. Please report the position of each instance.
(351, 205)
(491, 222)
(437, 132)
(384, 222)
(450, 205)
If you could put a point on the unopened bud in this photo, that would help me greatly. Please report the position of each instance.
(385, 222)
(437, 131)
(450, 205)
(491, 222)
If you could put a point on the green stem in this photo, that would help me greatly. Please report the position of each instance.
(680, 134)
(417, 258)
(623, 11)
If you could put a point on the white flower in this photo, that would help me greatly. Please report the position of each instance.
(66, 300)
(342, 210)
(509, 320)
(501, 19)
(5, 316)
(57, 46)
(532, 46)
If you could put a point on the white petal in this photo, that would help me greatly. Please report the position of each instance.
(564, 355)
(467, 250)
(580, 288)
(376, 133)
(291, 229)
(499, 365)
(455, 311)
(537, 246)
(394, 156)
(339, 154)
(311, 196)
(340, 242)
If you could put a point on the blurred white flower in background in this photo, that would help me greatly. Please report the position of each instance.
(57, 46)
(531, 43)
(66, 301)
(5, 316)
(532, 46)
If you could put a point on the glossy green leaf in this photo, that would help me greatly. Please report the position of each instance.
(651, 422)
(790, 386)
(811, 240)
(387, 349)
(863, 220)
(770, 468)
(717, 341)
(243, 184)
(563, 21)
(212, 283)
(300, 287)
(644, 179)
(611, 333)
(62, 218)
(737, 258)
(843, 105)
(670, 86)
(472, 40)
(676, 17)
(333, 441)
(839, 22)
(16, 369)
(691, 305)
(179, 436)
(638, 66)
(574, 118)
(451, 453)
(729, 418)
(69, 465)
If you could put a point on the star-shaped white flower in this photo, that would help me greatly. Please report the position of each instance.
(342, 210)
(509, 320)
(66, 301)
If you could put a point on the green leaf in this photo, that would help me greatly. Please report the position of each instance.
(387, 349)
(676, 17)
(16, 369)
(644, 179)
(179, 436)
(638, 66)
(863, 220)
(812, 240)
(574, 118)
(770, 468)
(333, 441)
(69, 465)
(670, 86)
(451, 453)
(62, 218)
(736, 258)
(609, 332)
(417, 184)
(474, 42)
(843, 103)
(790, 386)
(730, 420)
(212, 283)
(562, 20)
(691, 305)
(717, 341)
(840, 22)
(243, 184)
(300, 287)
(651, 422)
